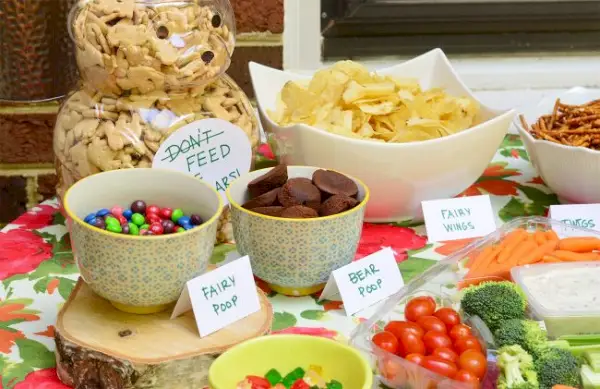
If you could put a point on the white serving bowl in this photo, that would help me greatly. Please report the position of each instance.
(571, 172)
(400, 175)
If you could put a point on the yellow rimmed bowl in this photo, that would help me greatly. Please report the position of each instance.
(141, 274)
(295, 256)
(287, 352)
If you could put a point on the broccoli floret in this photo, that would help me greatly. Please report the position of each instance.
(526, 333)
(494, 302)
(517, 369)
(557, 367)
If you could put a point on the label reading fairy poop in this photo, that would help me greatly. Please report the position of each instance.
(213, 150)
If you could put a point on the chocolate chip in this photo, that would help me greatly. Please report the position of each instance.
(125, 333)
(334, 183)
(275, 178)
(216, 21)
(300, 191)
(162, 32)
(299, 212)
(337, 204)
(264, 200)
(275, 211)
(207, 56)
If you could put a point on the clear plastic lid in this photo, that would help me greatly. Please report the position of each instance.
(561, 289)
(147, 45)
(446, 278)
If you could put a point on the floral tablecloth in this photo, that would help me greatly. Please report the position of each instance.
(37, 270)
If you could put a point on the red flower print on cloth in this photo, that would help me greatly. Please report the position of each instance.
(451, 246)
(21, 251)
(39, 217)
(536, 180)
(12, 311)
(493, 181)
(322, 332)
(41, 379)
(265, 150)
(378, 236)
(8, 338)
(49, 332)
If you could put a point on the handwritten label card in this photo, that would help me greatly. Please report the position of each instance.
(220, 297)
(211, 149)
(365, 282)
(577, 215)
(459, 218)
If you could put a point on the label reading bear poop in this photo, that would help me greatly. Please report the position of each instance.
(213, 150)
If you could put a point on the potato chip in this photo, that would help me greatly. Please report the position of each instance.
(348, 100)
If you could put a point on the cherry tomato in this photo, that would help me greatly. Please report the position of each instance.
(435, 339)
(467, 376)
(467, 343)
(473, 361)
(399, 327)
(440, 366)
(431, 323)
(460, 331)
(448, 316)
(415, 358)
(412, 344)
(386, 341)
(419, 306)
(445, 353)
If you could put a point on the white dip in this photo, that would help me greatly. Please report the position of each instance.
(566, 289)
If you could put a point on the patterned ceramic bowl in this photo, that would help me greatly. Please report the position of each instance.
(295, 256)
(141, 274)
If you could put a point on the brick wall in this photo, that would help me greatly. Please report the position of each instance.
(26, 157)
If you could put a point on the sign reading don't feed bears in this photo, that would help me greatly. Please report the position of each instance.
(213, 150)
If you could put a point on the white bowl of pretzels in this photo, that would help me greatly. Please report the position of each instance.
(562, 136)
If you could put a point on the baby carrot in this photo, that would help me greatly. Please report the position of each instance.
(579, 245)
(482, 260)
(540, 237)
(511, 241)
(522, 250)
(569, 256)
(537, 254)
(551, 235)
(550, 259)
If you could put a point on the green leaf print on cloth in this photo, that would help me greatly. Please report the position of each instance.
(283, 320)
(314, 314)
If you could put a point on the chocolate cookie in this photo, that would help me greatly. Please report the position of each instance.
(275, 211)
(275, 178)
(299, 212)
(264, 200)
(300, 191)
(334, 183)
(337, 204)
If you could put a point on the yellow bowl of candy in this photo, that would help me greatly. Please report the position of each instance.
(281, 360)
(411, 132)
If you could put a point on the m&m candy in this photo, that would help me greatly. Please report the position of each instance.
(143, 219)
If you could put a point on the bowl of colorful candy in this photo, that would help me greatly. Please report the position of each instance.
(291, 361)
(139, 235)
(297, 224)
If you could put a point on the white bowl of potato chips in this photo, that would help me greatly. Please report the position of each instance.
(412, 132)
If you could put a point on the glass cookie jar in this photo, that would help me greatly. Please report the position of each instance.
(162, 68)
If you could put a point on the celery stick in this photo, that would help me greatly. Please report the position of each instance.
(575, 350)
(590, 379)
(593, 360)
(582, 340)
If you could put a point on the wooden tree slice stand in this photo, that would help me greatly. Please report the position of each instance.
(99, 347)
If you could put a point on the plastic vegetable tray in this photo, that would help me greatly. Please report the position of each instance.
(443, 280)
